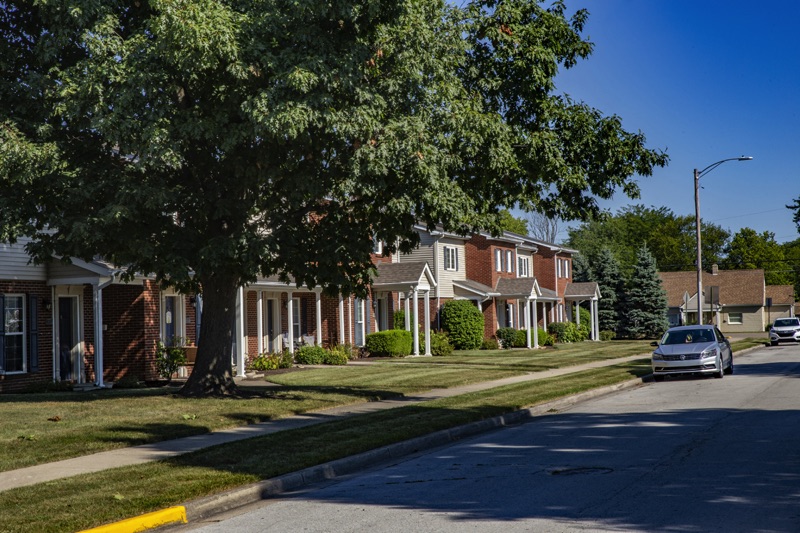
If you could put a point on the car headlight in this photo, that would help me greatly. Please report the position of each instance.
(710, 352)
(657, 356)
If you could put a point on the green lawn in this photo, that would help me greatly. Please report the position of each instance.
(93, 499)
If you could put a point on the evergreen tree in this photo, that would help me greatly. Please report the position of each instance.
(581, 269)
(645, 299)
(612, 287)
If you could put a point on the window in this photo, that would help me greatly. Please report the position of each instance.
(377, 245)
(558, 267)
(498, 260)
(509, 261)
(566, 268)
(523, 267)
(734, 318)
(450, 258)
(296, 325)
(14, 333)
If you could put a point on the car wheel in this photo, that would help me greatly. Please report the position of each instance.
(729, 370)
(658, 379)
(721, 372)
(773, 343)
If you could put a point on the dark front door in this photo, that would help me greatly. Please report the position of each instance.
(67, 339)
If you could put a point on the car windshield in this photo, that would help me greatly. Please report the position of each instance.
(785, 322)
(688, 336)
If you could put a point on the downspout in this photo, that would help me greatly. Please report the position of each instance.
(97, 294)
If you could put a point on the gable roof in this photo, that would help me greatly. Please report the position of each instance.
(780, 294)
(736, 287)
(518, 287)
(589, 289)
(474, 287)
(403, 276)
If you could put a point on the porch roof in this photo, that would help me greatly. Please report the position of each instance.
(474, 287)
(582, 291)
(403, 276)
(518, 288)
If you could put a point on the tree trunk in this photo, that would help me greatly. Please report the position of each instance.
(212, 374)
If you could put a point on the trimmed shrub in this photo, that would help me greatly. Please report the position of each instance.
(506, 337)
(440, 344)
(464, 324)
(565, 332)
(389, 343)
(399, 319)
(586, 323)
(521, 338)
(310, 355)
(489, 344)
(545, 339)
(607, 335)
(338, 355)
(169, 358)
(271, 361)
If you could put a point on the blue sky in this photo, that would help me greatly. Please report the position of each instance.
(705, 80)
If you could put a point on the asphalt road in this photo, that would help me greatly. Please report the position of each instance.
(688, 454)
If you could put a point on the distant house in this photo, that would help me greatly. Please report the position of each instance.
(734, 300)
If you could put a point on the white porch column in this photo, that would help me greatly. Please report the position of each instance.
(260, 320)
(527, 316)
(341, 319)
(290, 321)
(427, 322)
(535, 326)
(415, 329)
(318, 301)
(350, 318)
(407, 305)
(577, 313)
(97, 294)
(240, 337)
(544, 315)
(596, 319)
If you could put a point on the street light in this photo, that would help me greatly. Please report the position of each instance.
(697, 176)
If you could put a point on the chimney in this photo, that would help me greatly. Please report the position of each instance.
(714, 269)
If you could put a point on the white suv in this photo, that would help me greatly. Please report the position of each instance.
(784, 329)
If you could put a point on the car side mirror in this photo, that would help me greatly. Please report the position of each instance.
(654, 343)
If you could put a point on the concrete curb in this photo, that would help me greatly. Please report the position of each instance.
(144, 522)
(213, 505)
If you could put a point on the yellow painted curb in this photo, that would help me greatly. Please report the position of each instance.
(143, 522)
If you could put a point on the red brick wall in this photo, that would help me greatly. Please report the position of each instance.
(20, 382)
(124, 349)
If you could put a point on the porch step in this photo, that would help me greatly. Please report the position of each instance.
(84, 387)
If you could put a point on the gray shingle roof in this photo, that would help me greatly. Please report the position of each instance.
(516, 286)
(576, 290)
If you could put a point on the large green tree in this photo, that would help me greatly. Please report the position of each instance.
(207, 142)
(611, 282)
(670, 238)
(749, 249)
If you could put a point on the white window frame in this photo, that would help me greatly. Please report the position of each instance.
(179, 319)
(451, 258)
(297, 319)
(566, 268)
(558, 267)
(509, 261)
(377, 245)
(523, 266)
(731, 319)
(498, 260)
(23, 332)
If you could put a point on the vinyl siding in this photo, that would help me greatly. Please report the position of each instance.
(752, 319)
(445, 278)
(14, 264)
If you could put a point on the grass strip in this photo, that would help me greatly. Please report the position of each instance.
(47, 427)
(93, 499)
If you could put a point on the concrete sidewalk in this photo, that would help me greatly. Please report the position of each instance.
(171, 448)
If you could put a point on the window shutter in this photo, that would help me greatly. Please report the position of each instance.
(2, 333)
(33, 334)
(369, 314)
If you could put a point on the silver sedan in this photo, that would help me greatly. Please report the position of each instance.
(692, 350)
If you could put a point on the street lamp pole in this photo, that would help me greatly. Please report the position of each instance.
(697, 175)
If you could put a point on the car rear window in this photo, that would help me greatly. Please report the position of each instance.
(688, 336)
